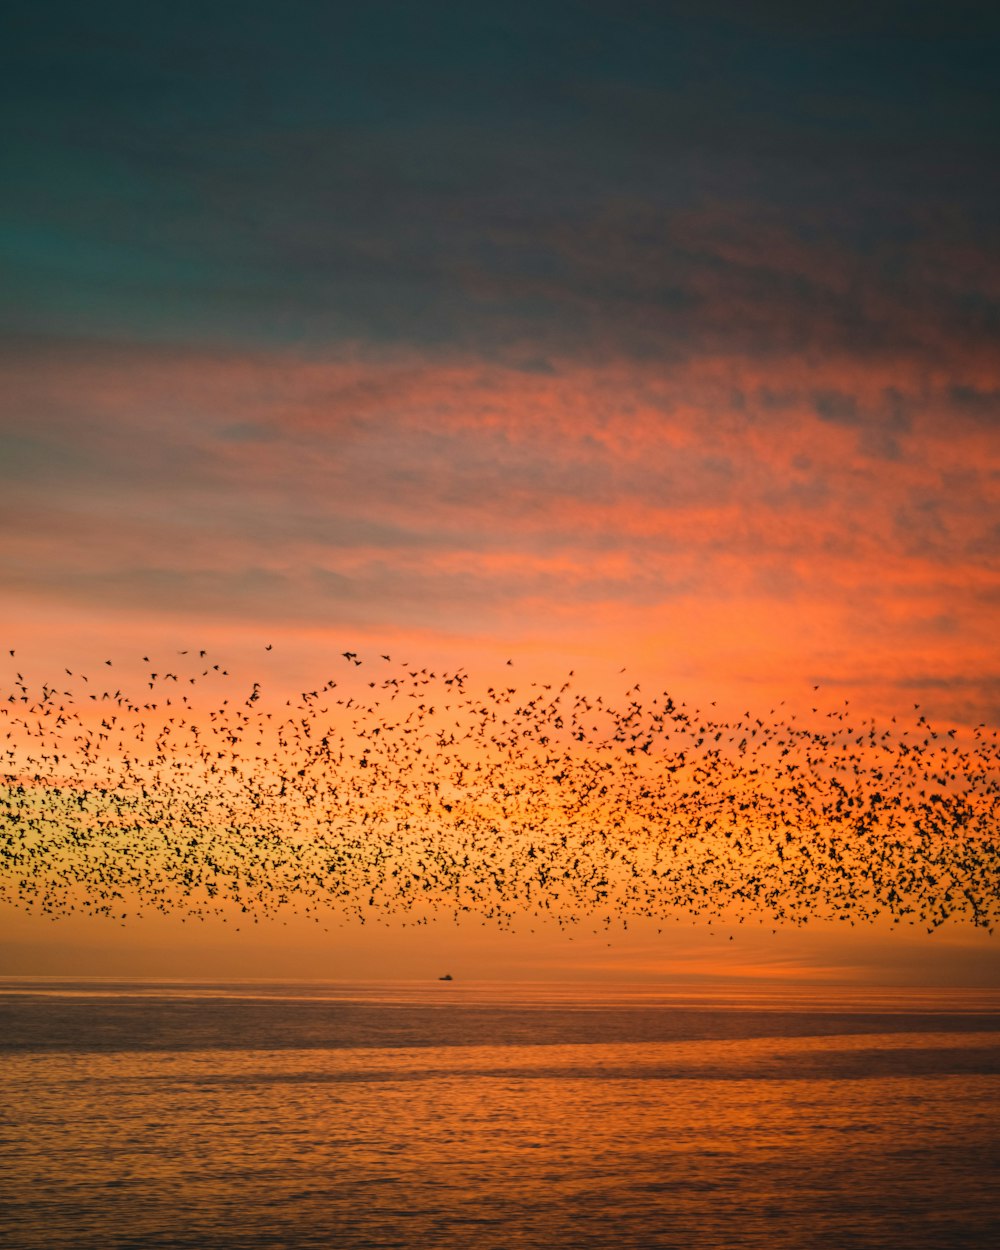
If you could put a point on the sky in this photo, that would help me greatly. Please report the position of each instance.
(589, 336)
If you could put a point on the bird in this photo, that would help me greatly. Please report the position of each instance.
(427, 790)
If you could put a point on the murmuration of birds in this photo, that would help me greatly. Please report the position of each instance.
(392, 790)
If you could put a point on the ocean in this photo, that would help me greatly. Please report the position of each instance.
(488, 1116)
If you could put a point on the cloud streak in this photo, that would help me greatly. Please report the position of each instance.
(384, 486)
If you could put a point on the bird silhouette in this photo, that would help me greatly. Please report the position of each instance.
(428, 791)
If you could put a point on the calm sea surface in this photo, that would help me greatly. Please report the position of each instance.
(454, 1115)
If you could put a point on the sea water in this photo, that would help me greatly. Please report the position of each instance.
(454, 1115)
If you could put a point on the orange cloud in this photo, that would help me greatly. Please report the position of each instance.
(828, 517)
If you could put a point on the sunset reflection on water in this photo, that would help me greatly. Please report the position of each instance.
(726, 1126)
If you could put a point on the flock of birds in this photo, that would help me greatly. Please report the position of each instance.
(394, 789)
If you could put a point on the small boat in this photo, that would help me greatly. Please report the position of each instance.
(447, 977)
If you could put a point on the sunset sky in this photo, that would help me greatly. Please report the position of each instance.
(662, 336)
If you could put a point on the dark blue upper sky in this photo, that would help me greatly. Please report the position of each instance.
(515, 179)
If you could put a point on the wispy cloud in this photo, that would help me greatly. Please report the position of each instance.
(375, 486)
